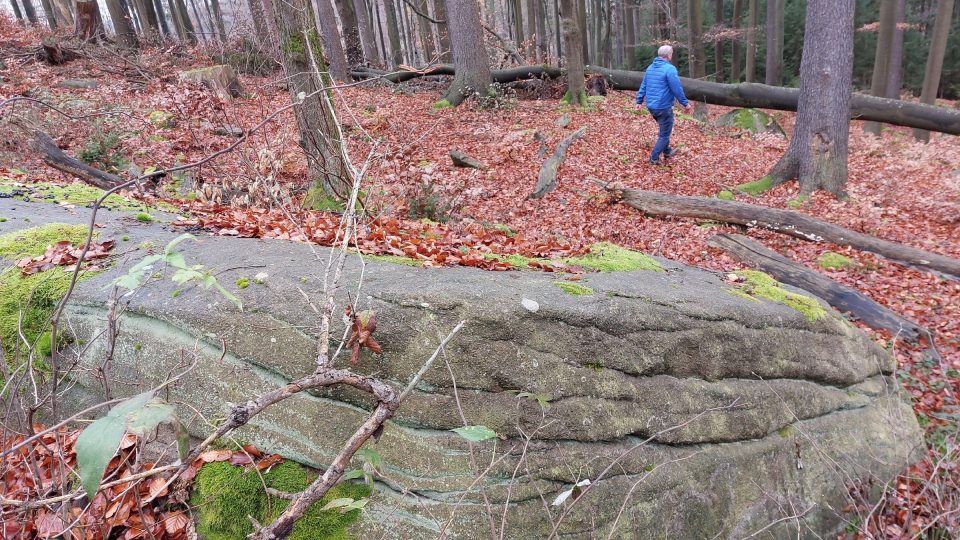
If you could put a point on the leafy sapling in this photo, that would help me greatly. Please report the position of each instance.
(184, 273)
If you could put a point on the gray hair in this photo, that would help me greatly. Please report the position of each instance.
(665, 51)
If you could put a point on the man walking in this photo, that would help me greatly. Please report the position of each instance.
(660, 86)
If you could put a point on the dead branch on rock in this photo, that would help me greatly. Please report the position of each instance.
(547, 179)
(839, 296)
(787, 222)
(42, 144)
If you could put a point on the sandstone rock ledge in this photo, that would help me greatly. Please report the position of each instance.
(776, 414)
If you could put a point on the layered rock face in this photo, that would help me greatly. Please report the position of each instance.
(694, 412)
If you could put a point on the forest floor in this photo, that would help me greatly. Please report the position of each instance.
(899, 190)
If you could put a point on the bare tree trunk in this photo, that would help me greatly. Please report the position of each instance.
(379, 22)
(367, 39)
(817, 155)
(182, 21)
(196, 14)
(126, 37)
(582, 28)
(88, 23)
(351, 34)
(218, 19)
(29, 11)
(663, 20)
(718, 44)
(938, 48)
(426, 35)
(774, 71)
(517, 8)
(393, 32)
(556, 26)
(303, 65)
(16, 10)
(737, 45)
(751, 66)
(630, 47)
(532, 35)
(440, 13)
(881, 60)
(330, 37)
(469, 53)
(698, 57)
(576, 86)
(895, 69)
(148, 18)
(543, 41)
(63, 12)
(49, 14)
(162, 17)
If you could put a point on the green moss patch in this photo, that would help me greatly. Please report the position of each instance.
(77, 194)
(26, 303)
(442, 104)
(162, 119)
(756, 187)
(394, 259)
(224, 495)
(833, 260)
(762, 285)
(573, 289)
(607, 257)
(751, 120)
(726, 195)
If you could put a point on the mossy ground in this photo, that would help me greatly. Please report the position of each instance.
(573, 289)
(756, 187)
(224, 495)
(762, 285)
(394, 259)
(77, 193)
(26, 303)
(607, 257)
(603, 257)
(833, 260)
(726, 195)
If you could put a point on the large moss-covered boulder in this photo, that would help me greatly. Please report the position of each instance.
(752, 120)
(699, 407)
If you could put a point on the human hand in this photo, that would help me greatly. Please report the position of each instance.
(688, 108)
(639, 106)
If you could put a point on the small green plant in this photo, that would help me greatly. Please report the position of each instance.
(103, 151)
(756, 187)
(125, 238)
(425, 202)
(143, 217)
(243, 283)
(761, 285)
(833, 261)
(726, 195)
(135, 277)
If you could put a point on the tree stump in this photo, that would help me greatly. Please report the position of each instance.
(221, 79)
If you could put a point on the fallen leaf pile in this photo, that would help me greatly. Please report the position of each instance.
(64, 253)
(144, 509)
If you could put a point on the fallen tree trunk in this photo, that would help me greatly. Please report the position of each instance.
(839, 296)
(754, 95)
(783, 221)
(547, 179)
(56, 158)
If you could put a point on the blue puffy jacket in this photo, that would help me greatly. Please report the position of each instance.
(660, 86)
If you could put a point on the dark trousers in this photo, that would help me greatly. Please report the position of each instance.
(664, 118)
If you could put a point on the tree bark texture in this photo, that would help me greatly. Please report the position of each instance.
(440, 14)
(469, 54)
(88, 24)
(330, 37)
(938, 48)
(393, 33)
(148, 18)
(351, 33)
(718, 44)
(630, 45)
(303, 64)
(162, 18)
(774, 64)
(751, 61)
(881, 60)
(786, 222)
(698, 58)
(49, 14)
(218, 19)
(426, 34)
(895, 69)
(367, 39)
(841, 297)
(737, 47)
(569, 26)
(29, 11)
(126, 36)
(817, 154)
(16, 10)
